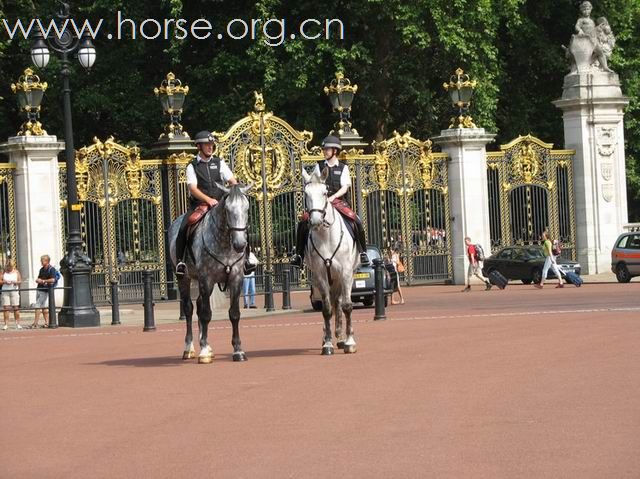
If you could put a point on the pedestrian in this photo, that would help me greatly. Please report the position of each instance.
(46, 279)
(398, 267)
(549, 262)
(11, 280)
(249, 283)
(474, 266)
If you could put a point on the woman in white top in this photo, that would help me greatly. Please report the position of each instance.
(11, 280)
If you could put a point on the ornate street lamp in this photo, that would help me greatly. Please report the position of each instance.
(341, 93)
(460, 87)
(172, 95)
(78, 309)
(30, 91)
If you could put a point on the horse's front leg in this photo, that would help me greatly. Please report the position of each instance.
(234, 317)
(347, 308)
(187, 306)
(327, 346)
(337, 311)
(204, 316)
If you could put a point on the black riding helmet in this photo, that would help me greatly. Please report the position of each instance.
(332, 142)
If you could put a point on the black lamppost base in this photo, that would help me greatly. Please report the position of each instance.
(78, 310)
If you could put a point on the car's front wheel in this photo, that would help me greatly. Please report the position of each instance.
(536, 275)
(368, 302)
(526, 281)
(622, 273)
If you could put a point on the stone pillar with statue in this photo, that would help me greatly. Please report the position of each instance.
(465, 144)
(593, 110)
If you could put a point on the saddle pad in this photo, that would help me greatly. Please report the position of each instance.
(198, 214)
(344, 209)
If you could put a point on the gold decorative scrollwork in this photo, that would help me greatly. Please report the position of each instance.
(526, 163)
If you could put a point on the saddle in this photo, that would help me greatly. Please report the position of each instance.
(197, 214)
(345, 211)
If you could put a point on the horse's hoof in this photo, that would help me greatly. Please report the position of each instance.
(205, 359)
(327, 351)
(340, 344)
(239, 357)
(350, 349)
(188, 355)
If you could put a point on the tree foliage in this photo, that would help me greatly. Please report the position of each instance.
(398, 52)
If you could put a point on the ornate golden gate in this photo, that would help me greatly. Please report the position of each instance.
(531, 189)
(8, 242)
(121, 218)
(266, 151)
(407, 205)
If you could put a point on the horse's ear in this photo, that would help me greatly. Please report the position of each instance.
(325, 174)
(223, 188)
(306, 176)
(247, 188)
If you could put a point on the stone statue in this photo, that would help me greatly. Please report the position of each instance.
(591, 45)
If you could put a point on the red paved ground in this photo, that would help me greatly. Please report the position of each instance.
(518, 383)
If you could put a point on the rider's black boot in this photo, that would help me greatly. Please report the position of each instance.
(301, 244)
(362, 242)
(181, 243)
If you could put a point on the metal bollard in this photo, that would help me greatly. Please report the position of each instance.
(268, 291)
(115, 304)
(53, 320)
(379, 282)
(286, 289)
(149, 320)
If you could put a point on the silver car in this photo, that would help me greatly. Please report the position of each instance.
(625, 257)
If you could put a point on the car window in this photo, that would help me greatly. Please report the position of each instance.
(373, 253)
(623, 242)
(633, 242)
(518, 254)
(534, 252)
(505, 254)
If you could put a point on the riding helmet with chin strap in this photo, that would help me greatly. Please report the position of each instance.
(332, 142)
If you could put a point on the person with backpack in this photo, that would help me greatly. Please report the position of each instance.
(47, 279)
(475, 254)
(550, 261)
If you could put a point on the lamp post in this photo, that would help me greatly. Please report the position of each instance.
(341, 94)
(30, 91)
(172, 94)
(78, 309)
(460, 88)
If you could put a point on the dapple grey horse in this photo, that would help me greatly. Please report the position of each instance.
(216, 255)
(332, 258)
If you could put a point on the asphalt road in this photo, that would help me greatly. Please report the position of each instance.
(514, 383)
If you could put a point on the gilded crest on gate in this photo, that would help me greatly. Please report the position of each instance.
(526, 163)
(82, 176)
(133, 173)
(426, 164)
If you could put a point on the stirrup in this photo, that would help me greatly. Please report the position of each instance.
(296, 261)
(181, 269)
(364, 259)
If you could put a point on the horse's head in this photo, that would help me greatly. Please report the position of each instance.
(316, 196)
(236, 211)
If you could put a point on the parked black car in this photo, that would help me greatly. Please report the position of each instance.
(363, 288)
(525, 263)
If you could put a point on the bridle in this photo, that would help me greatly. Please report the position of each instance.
(227, 266)
(323, 212)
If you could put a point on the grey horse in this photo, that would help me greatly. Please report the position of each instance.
(216, 255)
(333, 258)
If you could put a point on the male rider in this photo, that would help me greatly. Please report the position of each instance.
(338, 183)
(202, 175)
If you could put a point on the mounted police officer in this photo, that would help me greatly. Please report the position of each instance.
(338, 183)
(202, 175)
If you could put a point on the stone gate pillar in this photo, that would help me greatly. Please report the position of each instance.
(468, 192)
(37, 206)
(593, 111)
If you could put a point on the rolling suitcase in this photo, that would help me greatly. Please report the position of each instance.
(573, 278)
(496, 278)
